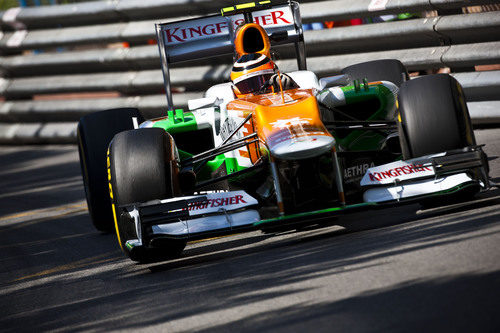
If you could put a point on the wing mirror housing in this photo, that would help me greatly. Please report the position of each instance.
(333, 81)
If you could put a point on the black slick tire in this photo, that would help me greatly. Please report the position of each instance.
(391, 70)
(143, 168)
(434, 116)
(94, 133)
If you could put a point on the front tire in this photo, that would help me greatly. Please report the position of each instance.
(94, 133)
(434, 116)
(143, 167)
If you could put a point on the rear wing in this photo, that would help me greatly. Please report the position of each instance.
(214, 35)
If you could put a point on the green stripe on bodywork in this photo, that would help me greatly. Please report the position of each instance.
(315, 212)
(211, 166)
(361, 139)
(449, 191)
(231, 165)
(178, 122)
(443, 193)
(310, 215)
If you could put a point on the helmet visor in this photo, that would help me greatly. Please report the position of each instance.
(253, 84)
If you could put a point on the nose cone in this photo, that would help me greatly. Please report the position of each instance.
(293, 129)
(303, 147)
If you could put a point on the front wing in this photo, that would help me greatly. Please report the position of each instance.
(221, 213)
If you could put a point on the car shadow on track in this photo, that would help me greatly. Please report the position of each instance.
(39, 177)
(447, 304)
(362, 221)
(245, 274)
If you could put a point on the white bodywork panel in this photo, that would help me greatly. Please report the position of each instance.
(208, 223)
(305, 79)
(397, 171)
(223, 91)
(221, 210)
(416, 188)
(332, 97)
(405, 179)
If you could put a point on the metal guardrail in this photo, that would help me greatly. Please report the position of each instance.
(480, 27)
(87, 13)
(456, 28)
(199, 77)
(458, 41)
(478, 86)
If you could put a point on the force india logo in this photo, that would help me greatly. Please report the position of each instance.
(183, 34)
(218, 202)
(403, 170)
(285, 123)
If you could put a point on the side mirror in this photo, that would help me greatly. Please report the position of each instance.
(332, 81)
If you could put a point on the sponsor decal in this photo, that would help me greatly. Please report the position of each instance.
(221, 201)
(285, 123)
(192, 30)
(273, 18)
(180, 34)
(355, 172)
(295, 133)
(228, 127)
(399, 171)
(217, 202)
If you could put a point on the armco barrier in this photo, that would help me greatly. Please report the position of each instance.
(472, 28)
(459, 41)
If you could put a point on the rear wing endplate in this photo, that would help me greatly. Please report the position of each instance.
(213, 35)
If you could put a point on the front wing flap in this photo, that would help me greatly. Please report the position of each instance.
(191, 217)
(431, 175)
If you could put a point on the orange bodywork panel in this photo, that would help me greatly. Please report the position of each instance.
(292, 121)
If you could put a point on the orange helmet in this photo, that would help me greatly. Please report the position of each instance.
(251, 72)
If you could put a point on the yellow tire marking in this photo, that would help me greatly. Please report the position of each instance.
(112, 202)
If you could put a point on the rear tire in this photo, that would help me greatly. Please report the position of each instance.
(391, 70)
(143, 168)
(94, 134)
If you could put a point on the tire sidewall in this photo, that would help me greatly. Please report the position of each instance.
(94, 132)
(142, 167)
(433, 116)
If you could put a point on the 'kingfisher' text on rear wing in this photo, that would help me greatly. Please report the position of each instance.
(213, 35)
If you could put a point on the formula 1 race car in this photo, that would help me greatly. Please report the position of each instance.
(285, 155)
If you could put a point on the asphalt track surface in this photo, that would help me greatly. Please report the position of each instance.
(382, 271)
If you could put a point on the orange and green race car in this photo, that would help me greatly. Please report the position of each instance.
(272, 151)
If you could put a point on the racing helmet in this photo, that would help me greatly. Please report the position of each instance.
(251, 72)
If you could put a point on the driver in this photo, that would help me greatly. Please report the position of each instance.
(255, 73)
